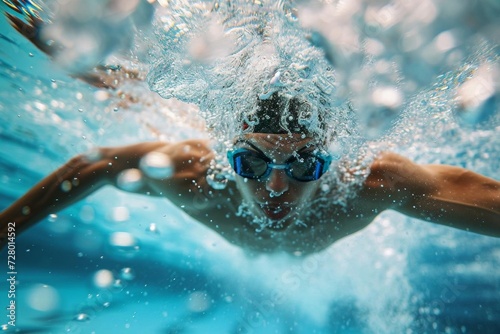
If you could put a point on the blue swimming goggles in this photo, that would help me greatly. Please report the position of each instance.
(255, 165)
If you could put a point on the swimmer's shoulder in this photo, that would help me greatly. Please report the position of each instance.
(391, 171)
(394, 181)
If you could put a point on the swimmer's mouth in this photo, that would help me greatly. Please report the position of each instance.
(276, 212)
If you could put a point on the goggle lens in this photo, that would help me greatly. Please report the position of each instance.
(249, 165)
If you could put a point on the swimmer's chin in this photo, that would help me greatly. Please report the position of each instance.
(276, 222)
(278, 226)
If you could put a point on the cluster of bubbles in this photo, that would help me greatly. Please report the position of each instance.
(264, 51)
(354, 65)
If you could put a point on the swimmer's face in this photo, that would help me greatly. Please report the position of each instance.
(277, 197)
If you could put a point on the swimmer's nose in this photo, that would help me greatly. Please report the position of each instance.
(277, 182)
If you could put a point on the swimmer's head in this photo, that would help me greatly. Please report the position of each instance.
(278, 130)
(280, 114)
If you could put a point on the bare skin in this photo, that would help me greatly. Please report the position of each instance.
(442, 194)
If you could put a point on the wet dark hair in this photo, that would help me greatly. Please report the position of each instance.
(281, 115)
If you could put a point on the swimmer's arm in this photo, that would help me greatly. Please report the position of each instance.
(75, 180)
(81, 176)
(442, 194)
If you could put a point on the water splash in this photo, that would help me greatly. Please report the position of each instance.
(270, 54)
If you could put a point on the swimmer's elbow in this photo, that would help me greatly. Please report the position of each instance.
(398, 175)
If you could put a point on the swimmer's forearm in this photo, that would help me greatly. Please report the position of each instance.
(76, 179)
(70, 183)
(460, 199)
(442, 194)
(459, 215)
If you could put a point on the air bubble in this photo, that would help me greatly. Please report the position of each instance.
(66, 186)
(82, 317)
(157, 165)
(120, 214)
(127, 274)
(103, 278)
(130, 180)
(43, 298)
(122, 239)
(101, 95)
(124, 243)
(118, 284)
(198, 301)
(217, 181)
(273, 193)
(152, 228)
(93, 155)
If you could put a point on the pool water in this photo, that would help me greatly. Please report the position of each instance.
(124, 263)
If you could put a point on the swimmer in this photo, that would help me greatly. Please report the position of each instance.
(276, 201)
(277, 176)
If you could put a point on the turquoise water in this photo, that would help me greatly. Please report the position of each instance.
(168, 274)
